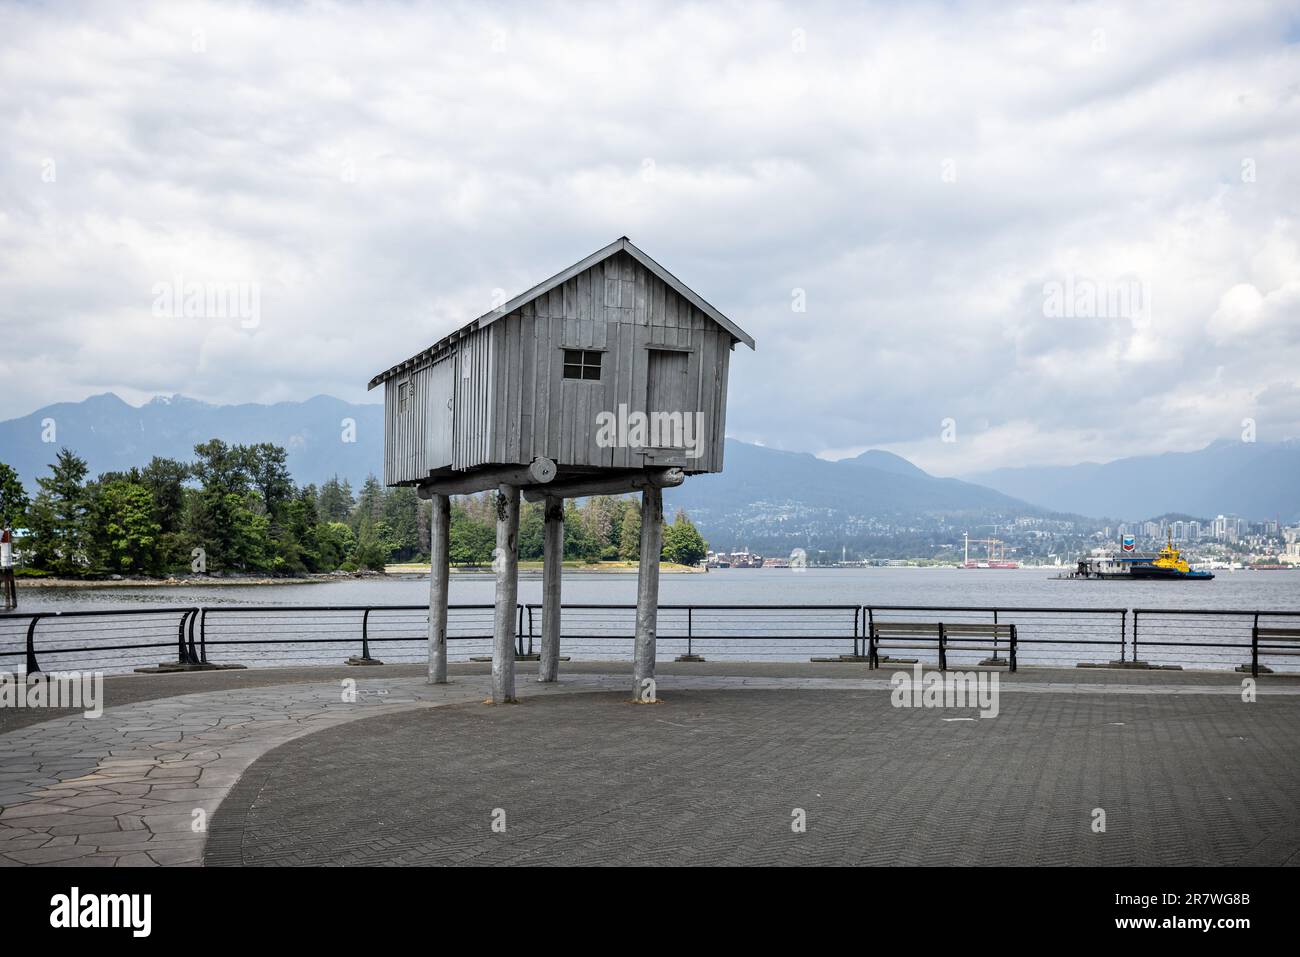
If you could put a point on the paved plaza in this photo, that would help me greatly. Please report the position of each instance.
(276, 767)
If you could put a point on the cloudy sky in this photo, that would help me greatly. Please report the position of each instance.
(1064, 231)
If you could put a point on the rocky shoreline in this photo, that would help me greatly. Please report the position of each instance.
(123, 581)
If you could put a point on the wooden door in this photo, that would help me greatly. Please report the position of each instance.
(440, 403)
(667, 392)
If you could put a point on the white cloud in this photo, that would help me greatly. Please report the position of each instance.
(379, 170)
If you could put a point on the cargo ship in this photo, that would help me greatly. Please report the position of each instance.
(1167, 565)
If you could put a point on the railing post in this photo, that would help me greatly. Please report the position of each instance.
(182, 656)
(193, 652)
(856, 644)
(943, 655)
(690, 630)
(530, 629)
(1254, 647)
(32, 666)
(872, 654)
(519, 633)
(365, 635)
(203, 635)
(1135, 639)
(995, 634)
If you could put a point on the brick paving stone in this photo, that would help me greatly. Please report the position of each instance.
(712, 777)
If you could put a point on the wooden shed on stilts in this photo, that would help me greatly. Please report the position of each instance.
(609, 377)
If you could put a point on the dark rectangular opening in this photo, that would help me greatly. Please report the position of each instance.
(581, 364)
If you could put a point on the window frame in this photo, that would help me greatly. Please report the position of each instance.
(584, 365)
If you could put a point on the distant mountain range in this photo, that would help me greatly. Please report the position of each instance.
(112, 435)
(771, 500)
(875, 483)
(763, 494)
(1255, 480)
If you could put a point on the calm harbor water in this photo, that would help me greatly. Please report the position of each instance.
(398, 636)
(1245, 590)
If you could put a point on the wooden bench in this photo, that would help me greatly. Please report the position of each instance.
(1266, 634)
(945, 637)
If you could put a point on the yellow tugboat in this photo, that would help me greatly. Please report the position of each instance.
(1169, 564)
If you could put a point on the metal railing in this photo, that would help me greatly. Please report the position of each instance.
(268, 635)
(779, 630)
(1166, 636)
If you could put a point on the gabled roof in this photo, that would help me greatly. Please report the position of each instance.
(622, 244)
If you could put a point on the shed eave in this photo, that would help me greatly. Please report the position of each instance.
(424, 355)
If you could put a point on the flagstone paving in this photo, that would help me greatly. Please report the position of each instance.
(141, 784)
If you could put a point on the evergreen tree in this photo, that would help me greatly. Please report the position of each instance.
(532, 530)
(268, 473)
(629, 535)
(372, 551)
(370, 504)
(297, 547)
(58, 517)
(335, 500)
(600, 514)
(165, 479)
(228, 518)
(578, 541)
(401, 520)
(13, 498)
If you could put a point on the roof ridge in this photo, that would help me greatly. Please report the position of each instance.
(622, 244)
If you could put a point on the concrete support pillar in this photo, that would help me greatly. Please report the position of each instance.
(552, 567)
(439, 579)
(505, 562)
(647, 595)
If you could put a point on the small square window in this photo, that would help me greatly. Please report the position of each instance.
(582, 364)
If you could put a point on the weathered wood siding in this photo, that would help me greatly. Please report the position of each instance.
(473, 421)
(405, 430)
(624, 311)
(439, 414)
(511, 402)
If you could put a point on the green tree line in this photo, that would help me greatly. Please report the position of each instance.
(236, 509)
